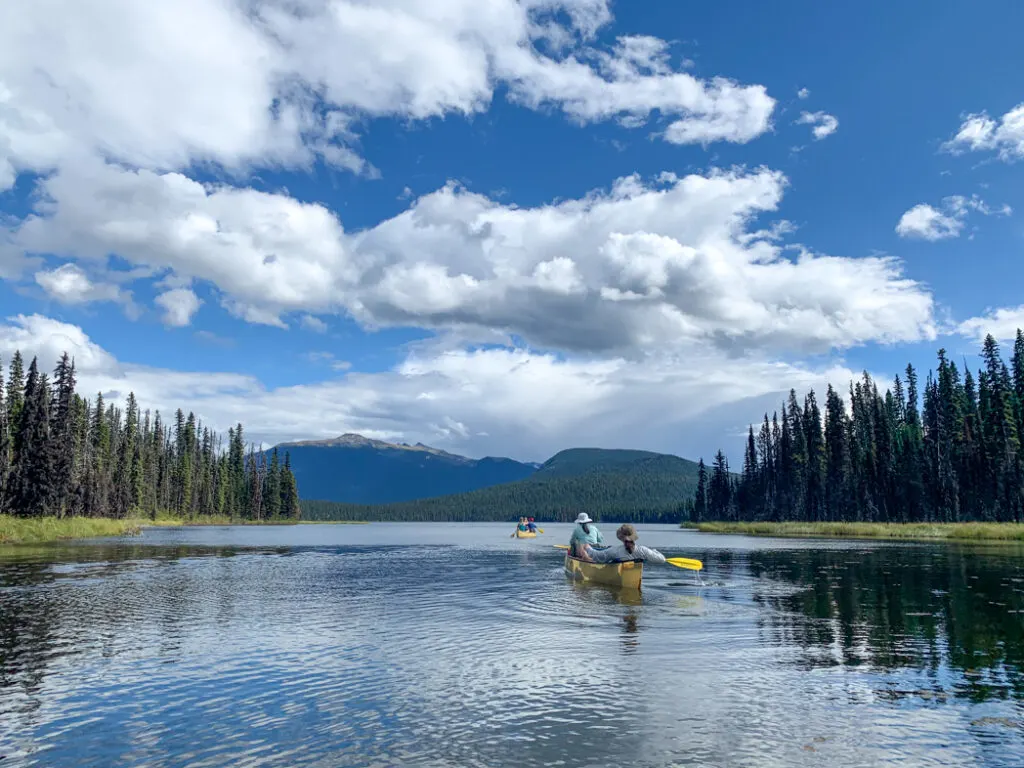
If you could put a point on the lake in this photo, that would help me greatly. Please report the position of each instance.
(455, 645)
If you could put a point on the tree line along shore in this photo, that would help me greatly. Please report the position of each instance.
(72, 468)
(878, 458)
(943, 463)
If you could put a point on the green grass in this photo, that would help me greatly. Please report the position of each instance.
(168, 521)
(919, 531)
(38, 530)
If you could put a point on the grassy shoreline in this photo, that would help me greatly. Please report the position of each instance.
(895, 531)
(42, 530)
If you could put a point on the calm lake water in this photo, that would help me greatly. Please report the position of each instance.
(454, 645)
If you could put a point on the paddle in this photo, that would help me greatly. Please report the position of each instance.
(678, 562)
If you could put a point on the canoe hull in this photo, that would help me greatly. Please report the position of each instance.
(525, 535)
(626, 575)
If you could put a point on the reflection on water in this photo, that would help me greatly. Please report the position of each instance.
(452, 645)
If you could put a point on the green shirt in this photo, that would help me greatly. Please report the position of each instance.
(594, 537)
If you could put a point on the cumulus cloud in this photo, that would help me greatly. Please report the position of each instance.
(824, 124)
(1002, 323)
(980, 133)
(923, 221)
(927, 223)
(172, 83)
(803, 93)
(179, 305)
(483, 401)
(641, 265)
(68, 284)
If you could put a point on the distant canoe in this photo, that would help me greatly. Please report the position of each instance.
(525, 534)
(627, 575)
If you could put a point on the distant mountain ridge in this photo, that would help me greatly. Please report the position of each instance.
(622, 485)
(355, 469)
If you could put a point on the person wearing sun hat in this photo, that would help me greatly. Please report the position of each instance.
(628, 549)
(584, 536)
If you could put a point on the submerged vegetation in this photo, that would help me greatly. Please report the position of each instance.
(912, 531)
(64, 456)
(952, 457)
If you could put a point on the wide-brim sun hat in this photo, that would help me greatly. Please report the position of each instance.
(627, 533)
(583, 517)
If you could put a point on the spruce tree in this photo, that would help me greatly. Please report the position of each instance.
(31, 487)
(62, 433)
(15, 394)
(272, 487)
(5, 444)
(720, 492)
(290, 508)
(700, 502)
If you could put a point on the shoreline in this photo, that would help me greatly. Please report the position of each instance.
(992, 532)
(15, 531)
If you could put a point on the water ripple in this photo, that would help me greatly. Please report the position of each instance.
(366, 649)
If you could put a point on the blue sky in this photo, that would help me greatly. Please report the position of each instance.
(505, 228)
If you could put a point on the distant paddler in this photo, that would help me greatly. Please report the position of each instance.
(585, 535)
(531, 526)
(523, 531)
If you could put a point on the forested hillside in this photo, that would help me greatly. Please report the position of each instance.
(634, 486)
(952, 455)
(61, 454)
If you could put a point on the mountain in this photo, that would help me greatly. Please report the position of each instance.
(358, 470)
(619, 485)
(585, 461)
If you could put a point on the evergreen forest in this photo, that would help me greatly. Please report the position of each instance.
(624, 485)
(949, 454)
(64, 455)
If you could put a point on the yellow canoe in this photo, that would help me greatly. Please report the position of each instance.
(627, 575)
(525, 534)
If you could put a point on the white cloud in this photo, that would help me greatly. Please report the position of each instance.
(824, 124)
(179, 305)
(981, 133)
(493, 401)
(1001, 323)
(803, 93)
(928, 223)
(315, 324)
(328, 358)
(923, 221)
(68, 284)
(639, 266)
(164, 84)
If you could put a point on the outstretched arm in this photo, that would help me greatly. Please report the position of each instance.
(653, 555)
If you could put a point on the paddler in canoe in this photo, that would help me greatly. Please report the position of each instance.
(585, 535)
(626, 550)
(523, 530)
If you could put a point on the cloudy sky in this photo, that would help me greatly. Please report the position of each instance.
(505, 227)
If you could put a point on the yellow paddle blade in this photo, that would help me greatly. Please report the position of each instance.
(540, 530)
(685, 562)
(560, 546)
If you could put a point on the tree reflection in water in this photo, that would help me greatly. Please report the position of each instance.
(953, 613)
